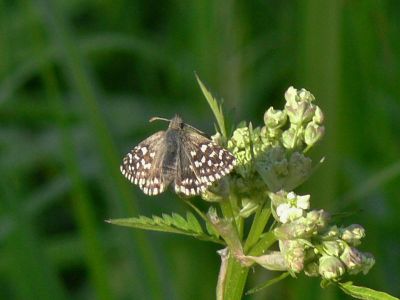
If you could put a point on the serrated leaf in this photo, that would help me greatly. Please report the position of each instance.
(144, 219)
(158, 220)
(179, 221)
(174, 223)
(364, 293)
(167, 218)
(194, 224)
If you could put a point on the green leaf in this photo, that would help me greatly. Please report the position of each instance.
(211, 230)
(167, 219)
(174, 223)
(180, 222)
(194, 224)
(268, 283)
(360, 292)
(215, 107)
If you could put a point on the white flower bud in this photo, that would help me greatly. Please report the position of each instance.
(357, 261)
(313, 133)
(294, 252)
(318, 116)
(287, 213)
(289, 138)
(278, 197)
(298, 106)
(353, 234)
(306, 95)
(291, 95)
(318, 217)
(352, 258)
(332, 233)
(274, 119)
(303, 201)
(330, 267)
(332, 248)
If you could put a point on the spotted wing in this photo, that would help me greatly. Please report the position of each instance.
(143, 164)
(187, 181)
(207, 163)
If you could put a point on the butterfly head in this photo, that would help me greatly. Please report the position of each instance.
(176, 123)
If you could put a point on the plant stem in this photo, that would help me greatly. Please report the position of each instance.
(233, 275)
(260, 220)
(232, 279)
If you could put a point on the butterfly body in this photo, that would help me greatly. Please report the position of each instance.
(180, 156)
(172, 147)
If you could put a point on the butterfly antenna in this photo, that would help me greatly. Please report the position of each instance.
(159, 118)
(195, 129)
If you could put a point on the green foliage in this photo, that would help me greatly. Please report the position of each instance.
(173, 223)
(215, 107)
(76, 92)
(267, 283)
(307, 240)
(360, 292)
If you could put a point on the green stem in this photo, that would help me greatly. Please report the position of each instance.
(199, 212)
(260, 220)
(268, 283)
(233, 274)
(266, 241)
(296, 136)
(229, 213)
(232, 282)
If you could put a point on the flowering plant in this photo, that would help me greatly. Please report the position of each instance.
(286, 234)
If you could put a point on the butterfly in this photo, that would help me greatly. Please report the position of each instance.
(181, 156)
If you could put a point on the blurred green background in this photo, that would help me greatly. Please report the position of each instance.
(79, 81)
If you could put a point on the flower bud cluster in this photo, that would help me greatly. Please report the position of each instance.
(242, 146)
(274, 152)
(305, 119)
(270, 163)
(307, 242)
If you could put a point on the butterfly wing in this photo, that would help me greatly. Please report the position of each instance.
(202, 163)
(187, 180)
(143, 165)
